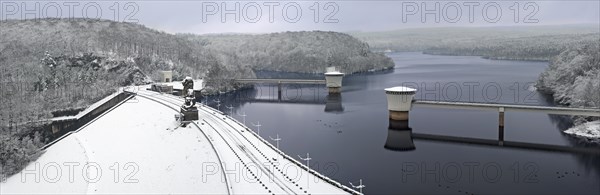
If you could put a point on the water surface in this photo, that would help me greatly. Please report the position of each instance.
(346, 135)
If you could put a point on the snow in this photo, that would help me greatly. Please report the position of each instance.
(140, 138)
(400, 89)
(317, 184)
(237, 144)
(139, 135)
(89, 108)
(588, 130)
(178, 85)
(334, 73)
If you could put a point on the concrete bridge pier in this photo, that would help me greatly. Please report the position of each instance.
(399, 136)
(333, 103)
(399, 102)
(279, 90)
(333, 79)
(501, 126)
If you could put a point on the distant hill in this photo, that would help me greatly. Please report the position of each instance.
(507, 42)
(66, 56)
(50, 66)
(306, 52)
(25, 41)
(108, 53)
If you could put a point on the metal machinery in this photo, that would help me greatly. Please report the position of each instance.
(188, 111)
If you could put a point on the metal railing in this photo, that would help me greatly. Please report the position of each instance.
(280, 81)
(509, 107)
(501, 108)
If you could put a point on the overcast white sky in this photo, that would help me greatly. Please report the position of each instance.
(202, 17)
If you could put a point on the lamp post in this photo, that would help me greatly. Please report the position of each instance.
(277, 139)
(243, 116)
(307, 159)
(360, 186)
(258, 127)
(230, 110)
(218, 104)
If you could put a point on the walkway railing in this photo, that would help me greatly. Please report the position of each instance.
(501, 108)
(281, 81)
(509, 107)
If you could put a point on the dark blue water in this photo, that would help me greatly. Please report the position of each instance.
(347, 135)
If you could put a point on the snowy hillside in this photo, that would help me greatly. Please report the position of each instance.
(50, 66)
(573, 78)
(305, 51)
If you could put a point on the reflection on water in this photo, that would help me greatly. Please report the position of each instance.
(291, 94)
(334, 103)
(399, 136)
(353, 136)
(589, 162)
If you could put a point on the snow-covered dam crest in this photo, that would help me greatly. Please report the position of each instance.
(138, 147)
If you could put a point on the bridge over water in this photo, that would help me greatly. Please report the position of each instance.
(280, 83)
(400, 101)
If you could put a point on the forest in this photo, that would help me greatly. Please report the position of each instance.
(573, 78)
(504, 42)
(539, 48)
(54, 67)
(301, 52)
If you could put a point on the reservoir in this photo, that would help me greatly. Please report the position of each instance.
(349, 136)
